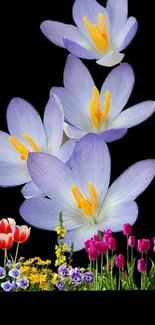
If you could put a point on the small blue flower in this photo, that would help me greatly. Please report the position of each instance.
(14, 284)
(9, 264)
(14, 273)
(2, 273)
(88, 277)
(18, 265)
(23, 283)
(61, 285)
(63, 271)
(7, 286)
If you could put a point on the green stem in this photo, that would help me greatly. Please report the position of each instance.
(146, 262)
(119, 280)
(101, 270)
(5, 257)
(96, 272)
(112, 270)
(17, 248)
(90, 266)
(132, 254)
(107, 260)
(127, 254)
(141, 280)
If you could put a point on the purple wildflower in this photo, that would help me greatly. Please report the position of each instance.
(18, 265)
(14, 273)
(7, 286)
(2, 273)
(61, 285)
(63, 271)
(23, 283)
(14, 284)
(75, 275)
(88, 277)
(9, 264)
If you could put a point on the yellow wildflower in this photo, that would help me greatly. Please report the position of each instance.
(60, 260)
(34, 278)
(58, 251)
(21, 259)
(63, 232)
(43, 286)
(33, 269)
(58, 230)
(25, 270)
(65, 247)
(42, 278)
(55, 278)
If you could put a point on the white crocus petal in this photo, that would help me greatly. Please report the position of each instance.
(127, 33)
(72, 132)
(79, 235)
(13, 174)
(31, 190)
(7, 152)
(113, 216)
(110, 59)
(22, 117)
(78, 80)
(66, 150)
(118, 11)
(134, 115)
(131, 183)
(53, 122)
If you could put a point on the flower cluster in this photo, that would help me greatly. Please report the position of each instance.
(64, 162)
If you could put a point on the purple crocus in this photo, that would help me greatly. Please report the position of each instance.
(2, 273)
(29, 134)
(100, 33)
(7, 286)
(63, 271)
(23, 283)
(82, 192)
(88, 277)
(14, 273)
(61, 285)
(88, 110)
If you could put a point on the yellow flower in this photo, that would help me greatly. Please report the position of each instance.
(43, 286)
(33, 269)
(58, 251)
(65, 247)
(25, 270)
(63, 232)
(58, 230)
(48, 262)
(42, 278)
(21, 259)
(60, 260)
(34, 278)
(55, 278)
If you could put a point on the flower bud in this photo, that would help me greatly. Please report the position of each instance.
(127, 229)
(141, 265)
(131, 241)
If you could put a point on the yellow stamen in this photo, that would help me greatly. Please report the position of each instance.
(88, 207)
(98, 33)
(21, 148)
(106, 106)
(97, 116)
(32, 143)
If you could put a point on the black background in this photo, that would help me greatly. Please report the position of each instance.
(30, 65)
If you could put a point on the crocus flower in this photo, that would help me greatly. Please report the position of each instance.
(141, 265)
(7, 286)
(82, 192)
(100, 33)
(131, 241)
(6, 241)
(14, 273)
(23, 283)
(127, 229)
(20, 233)
(63, 271)
(88, 110)
(5, 225)
(29, 134)
(2, 273)
(120, 261)
(143, 245)
(112, 244)
(88, 277)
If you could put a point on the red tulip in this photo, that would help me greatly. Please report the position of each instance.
(5, 225)
(21, 234)
(6, 241)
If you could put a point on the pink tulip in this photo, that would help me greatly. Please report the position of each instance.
(127, 229)
(112, 244)
(143, 245)
(120, 261)
(141, 265)
(131, 241)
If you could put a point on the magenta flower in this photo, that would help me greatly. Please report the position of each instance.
(141, 265)
(82, 192)
(120, 261)
(127, 229)
(89, 110)
(154, 249)
(29, 134)
(143, 245)
(131, 241)
(153, 239)
(93, 253)
(112, 244)
(101, 247)
(100, 33)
